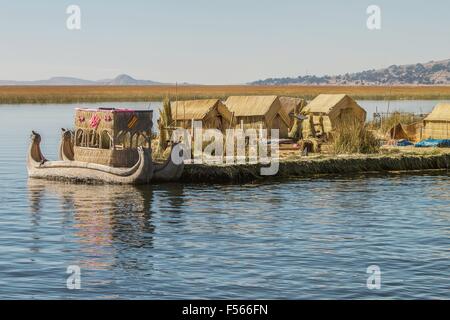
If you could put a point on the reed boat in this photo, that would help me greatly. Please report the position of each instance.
(112, 146)
(168, 171)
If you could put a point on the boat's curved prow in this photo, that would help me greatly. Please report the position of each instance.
(66, 152)
(169, 170)
(39, 167)
(35, 156)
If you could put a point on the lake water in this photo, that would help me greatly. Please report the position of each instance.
(414, 106)
(300, 239)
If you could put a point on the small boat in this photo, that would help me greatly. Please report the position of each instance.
(108, 146)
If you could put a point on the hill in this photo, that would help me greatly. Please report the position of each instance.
(120, 80)
(430, 73)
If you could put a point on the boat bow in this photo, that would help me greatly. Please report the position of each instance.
(170, 170)
(39, 167)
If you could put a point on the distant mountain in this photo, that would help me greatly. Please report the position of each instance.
(430, 73)
(126, 80)
(120, 80)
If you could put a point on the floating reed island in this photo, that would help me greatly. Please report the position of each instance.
(274, 137)
(304, 167)
(328, 135)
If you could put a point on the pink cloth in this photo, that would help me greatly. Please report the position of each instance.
(95, 121)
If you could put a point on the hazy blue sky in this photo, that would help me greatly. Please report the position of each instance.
(210, 41)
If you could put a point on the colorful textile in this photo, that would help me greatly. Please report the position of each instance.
(132, 122)
(95, 121)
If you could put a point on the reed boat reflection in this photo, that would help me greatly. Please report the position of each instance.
(101, 221)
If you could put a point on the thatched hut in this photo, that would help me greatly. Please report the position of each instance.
(259, 112)
(211, 112)
(398, 132)
(437, 124)
(409, 132)
(327, 111)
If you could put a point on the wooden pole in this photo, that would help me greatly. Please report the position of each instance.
(176, 99)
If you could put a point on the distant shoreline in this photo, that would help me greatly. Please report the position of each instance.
(83, 94)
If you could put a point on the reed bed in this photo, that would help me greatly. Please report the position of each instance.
(164, 122)
(352, 136)
(79, 94)
(393, 119)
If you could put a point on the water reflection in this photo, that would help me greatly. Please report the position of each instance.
(101, 219)
(212, 241)
(103, 214)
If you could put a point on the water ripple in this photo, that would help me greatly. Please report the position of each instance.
(300, 239)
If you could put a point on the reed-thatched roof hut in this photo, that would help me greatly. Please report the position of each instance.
(326, 111)
(437, 124)
(259, 111)
(289, 104)
(211, 112)
(398, 132)
(409, 132)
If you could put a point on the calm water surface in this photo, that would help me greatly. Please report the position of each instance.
(301, 239)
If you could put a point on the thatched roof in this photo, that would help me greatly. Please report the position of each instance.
(323, 103)
(398, 132)
(331, 104)
(247, 106)
(288, 104)
(405, 131)
(198, 109)
(256, 106)
(441, 112)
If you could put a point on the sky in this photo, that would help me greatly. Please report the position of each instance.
(216, 42)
